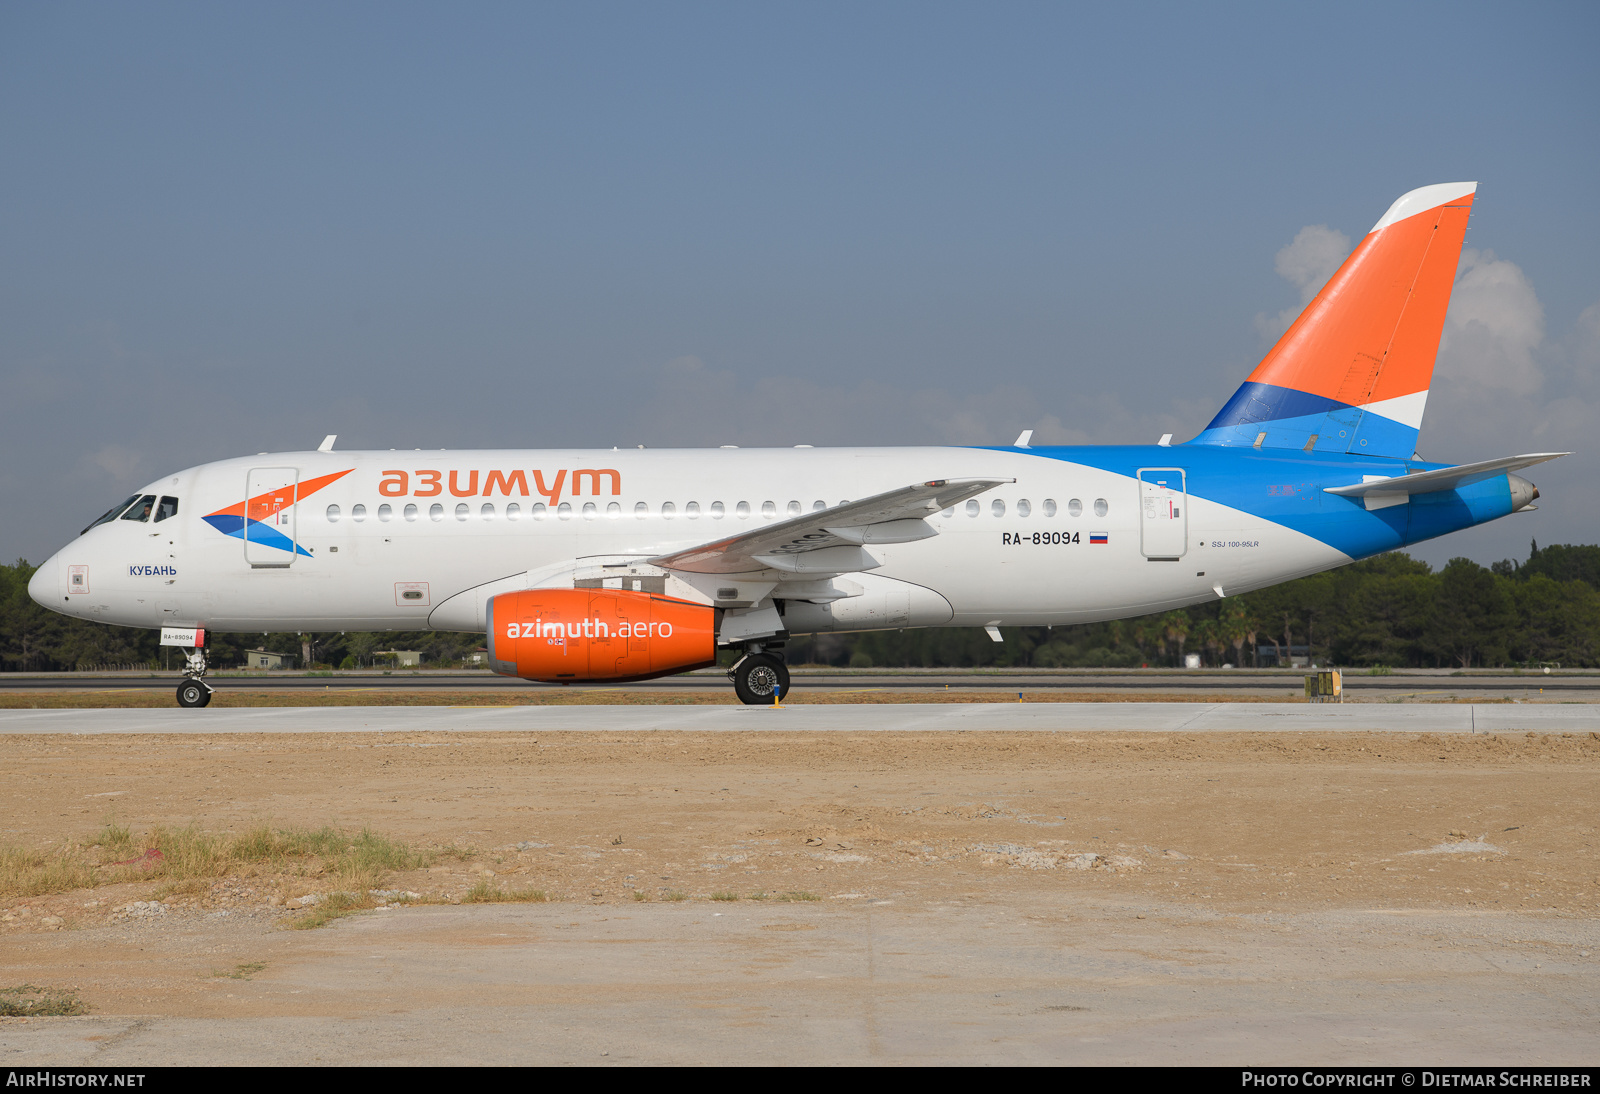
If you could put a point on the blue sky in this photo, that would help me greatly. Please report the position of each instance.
(228, 229)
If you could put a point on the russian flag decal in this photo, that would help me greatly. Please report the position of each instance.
(1099, 537)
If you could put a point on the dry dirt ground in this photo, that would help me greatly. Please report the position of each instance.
(883, 897)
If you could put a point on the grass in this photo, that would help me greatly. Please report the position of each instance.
(674, 895)
(488, 892)
(188, 860)
(796, 895)
(640, 895)
(243, 971)
(724, 896)
(32, 1001)
(27, 873)
(333, 906)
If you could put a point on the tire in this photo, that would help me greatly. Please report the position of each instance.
(760, 680)
(192, 694)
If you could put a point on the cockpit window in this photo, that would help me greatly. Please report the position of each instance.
(167, 508)
(112, 513)
(141, 509)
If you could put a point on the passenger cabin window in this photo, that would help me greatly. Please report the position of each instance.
(141, 509)
(742, 510)
(513, 511)
(1074, 508)
(1024, 508)
(613, 511)
(717, 510)
(564, 511)
(641, 509)
(997, 507)
(411, 511)
(1100, 507)
(1049, 507)
(589, 510)
(668, 510)
(167, 508)
(385, 511)
(486, 511)
(692, 510)
(113, 513)
(537, 510)
(358, 513)
(333, 514)
(973, 507)
(818, 506)
(436, 512)
(463, 510)
(794, 509)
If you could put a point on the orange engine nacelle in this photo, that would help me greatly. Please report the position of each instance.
(561, 635)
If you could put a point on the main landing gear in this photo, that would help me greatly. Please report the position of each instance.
(194, 691)
(760, 679)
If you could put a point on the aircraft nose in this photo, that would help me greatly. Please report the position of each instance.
(45, 584)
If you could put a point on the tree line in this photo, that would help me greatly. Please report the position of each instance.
(1389, 610)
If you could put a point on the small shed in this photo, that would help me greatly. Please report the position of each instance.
(404, 658)
(266, 659)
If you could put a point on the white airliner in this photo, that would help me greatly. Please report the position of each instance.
(626, 564)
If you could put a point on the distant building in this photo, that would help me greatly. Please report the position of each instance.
(1298, 656)
(404, 658)
(266, 659)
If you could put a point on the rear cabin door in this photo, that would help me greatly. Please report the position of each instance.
(269, 527)
(1163, 514)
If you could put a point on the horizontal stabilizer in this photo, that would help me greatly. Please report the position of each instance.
(1444, 478)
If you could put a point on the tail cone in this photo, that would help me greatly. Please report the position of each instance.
(1523, 493)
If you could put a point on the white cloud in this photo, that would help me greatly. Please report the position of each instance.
(115, 463)
(1314, 255)
(1495, 326)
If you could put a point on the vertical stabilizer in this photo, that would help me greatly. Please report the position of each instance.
(1352, 373)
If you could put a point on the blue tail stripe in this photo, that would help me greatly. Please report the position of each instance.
(1260, 403)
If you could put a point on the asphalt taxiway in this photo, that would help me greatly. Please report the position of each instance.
(1404, 684)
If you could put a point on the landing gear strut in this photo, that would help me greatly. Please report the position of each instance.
(760, 679)
(194, 691)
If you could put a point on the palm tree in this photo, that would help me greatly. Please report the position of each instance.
(1175, 628)
(1238, 627)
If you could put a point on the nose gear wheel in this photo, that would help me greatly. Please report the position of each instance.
(192, 693)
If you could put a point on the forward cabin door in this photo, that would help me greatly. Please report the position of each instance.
(269, 527)
(1163, 514)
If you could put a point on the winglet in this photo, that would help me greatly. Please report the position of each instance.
(327, 443)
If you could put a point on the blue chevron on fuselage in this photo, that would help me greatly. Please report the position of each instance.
(1287, 488)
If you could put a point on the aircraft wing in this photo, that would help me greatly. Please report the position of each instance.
(831, 541)
(1443, 478)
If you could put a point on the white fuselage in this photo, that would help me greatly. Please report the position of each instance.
(1026, 557)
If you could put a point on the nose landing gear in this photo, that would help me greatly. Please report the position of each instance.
(194, 691)
(760, 679)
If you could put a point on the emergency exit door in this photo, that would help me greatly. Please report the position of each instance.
(269, 526)
(1163, 513)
